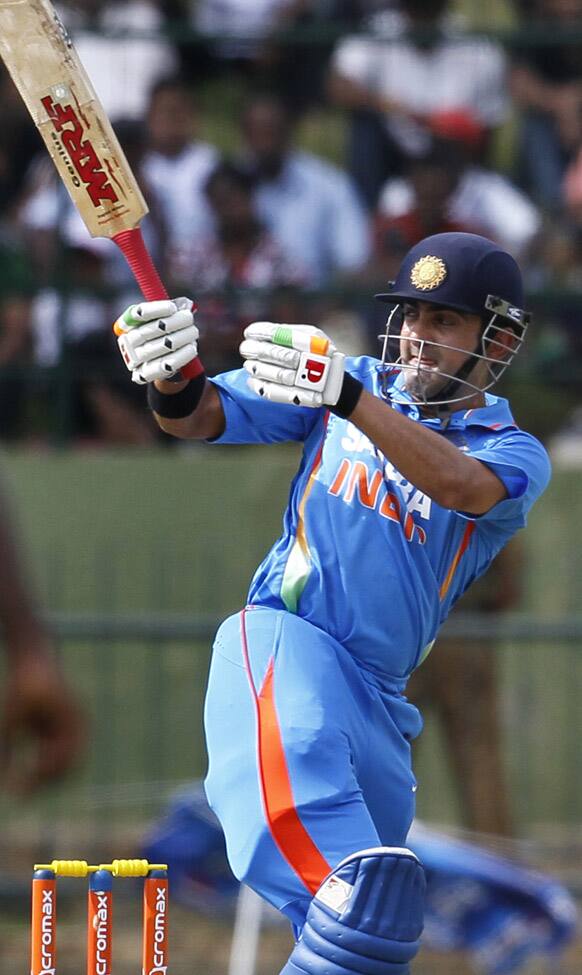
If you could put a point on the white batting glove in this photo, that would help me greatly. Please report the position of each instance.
(295, 364)
(157, 338)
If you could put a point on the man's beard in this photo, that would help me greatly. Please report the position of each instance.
(422, 384)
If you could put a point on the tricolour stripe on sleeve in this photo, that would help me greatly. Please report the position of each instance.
(298, 565)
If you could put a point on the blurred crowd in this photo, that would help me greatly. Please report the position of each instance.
(443, 129)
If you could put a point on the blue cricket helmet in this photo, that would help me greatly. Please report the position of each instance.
(460, 271)
(470, 274)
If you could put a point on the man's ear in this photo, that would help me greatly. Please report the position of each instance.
(501, 342)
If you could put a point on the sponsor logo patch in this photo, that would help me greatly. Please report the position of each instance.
(336, 894)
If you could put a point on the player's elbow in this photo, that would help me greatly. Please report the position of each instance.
(191, 427)
(175, 428)
(477, 492)
(449, 496)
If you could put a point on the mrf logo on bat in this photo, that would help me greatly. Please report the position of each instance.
(73, 144)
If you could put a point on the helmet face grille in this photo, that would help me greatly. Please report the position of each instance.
(456, 387)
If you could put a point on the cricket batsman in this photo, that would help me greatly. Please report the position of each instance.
(413, 477)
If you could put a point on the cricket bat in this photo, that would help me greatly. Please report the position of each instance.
(64, 106)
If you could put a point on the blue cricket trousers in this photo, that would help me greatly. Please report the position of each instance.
(309, 756)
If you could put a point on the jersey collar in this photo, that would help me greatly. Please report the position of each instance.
(495, 415)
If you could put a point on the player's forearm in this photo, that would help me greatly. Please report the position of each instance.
(427, 459)
(205, 422)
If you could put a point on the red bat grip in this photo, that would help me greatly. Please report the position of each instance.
(133, 248)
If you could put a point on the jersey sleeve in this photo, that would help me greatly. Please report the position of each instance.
(252, 420)
(522, 464)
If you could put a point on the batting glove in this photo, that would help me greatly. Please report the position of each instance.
(157, 338)
(295, 364)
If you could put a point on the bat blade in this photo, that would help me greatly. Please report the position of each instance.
(60, 97)
(45, 67)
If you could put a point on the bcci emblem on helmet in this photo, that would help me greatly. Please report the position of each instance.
(428, 273)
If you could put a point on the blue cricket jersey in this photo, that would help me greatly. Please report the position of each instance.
(364, 555)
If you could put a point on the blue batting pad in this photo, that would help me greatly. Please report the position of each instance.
(366, 917)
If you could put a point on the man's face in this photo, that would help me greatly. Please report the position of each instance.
(425, 11)
(433, 185)
(231, 204)
(455, 335)
(266, 132)
(171, 121)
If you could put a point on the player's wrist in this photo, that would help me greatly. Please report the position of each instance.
(349, 397)
(176, 404)
(172, 385)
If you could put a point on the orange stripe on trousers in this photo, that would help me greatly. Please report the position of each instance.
(287, 830)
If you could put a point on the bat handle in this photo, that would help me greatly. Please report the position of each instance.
(133, 248)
